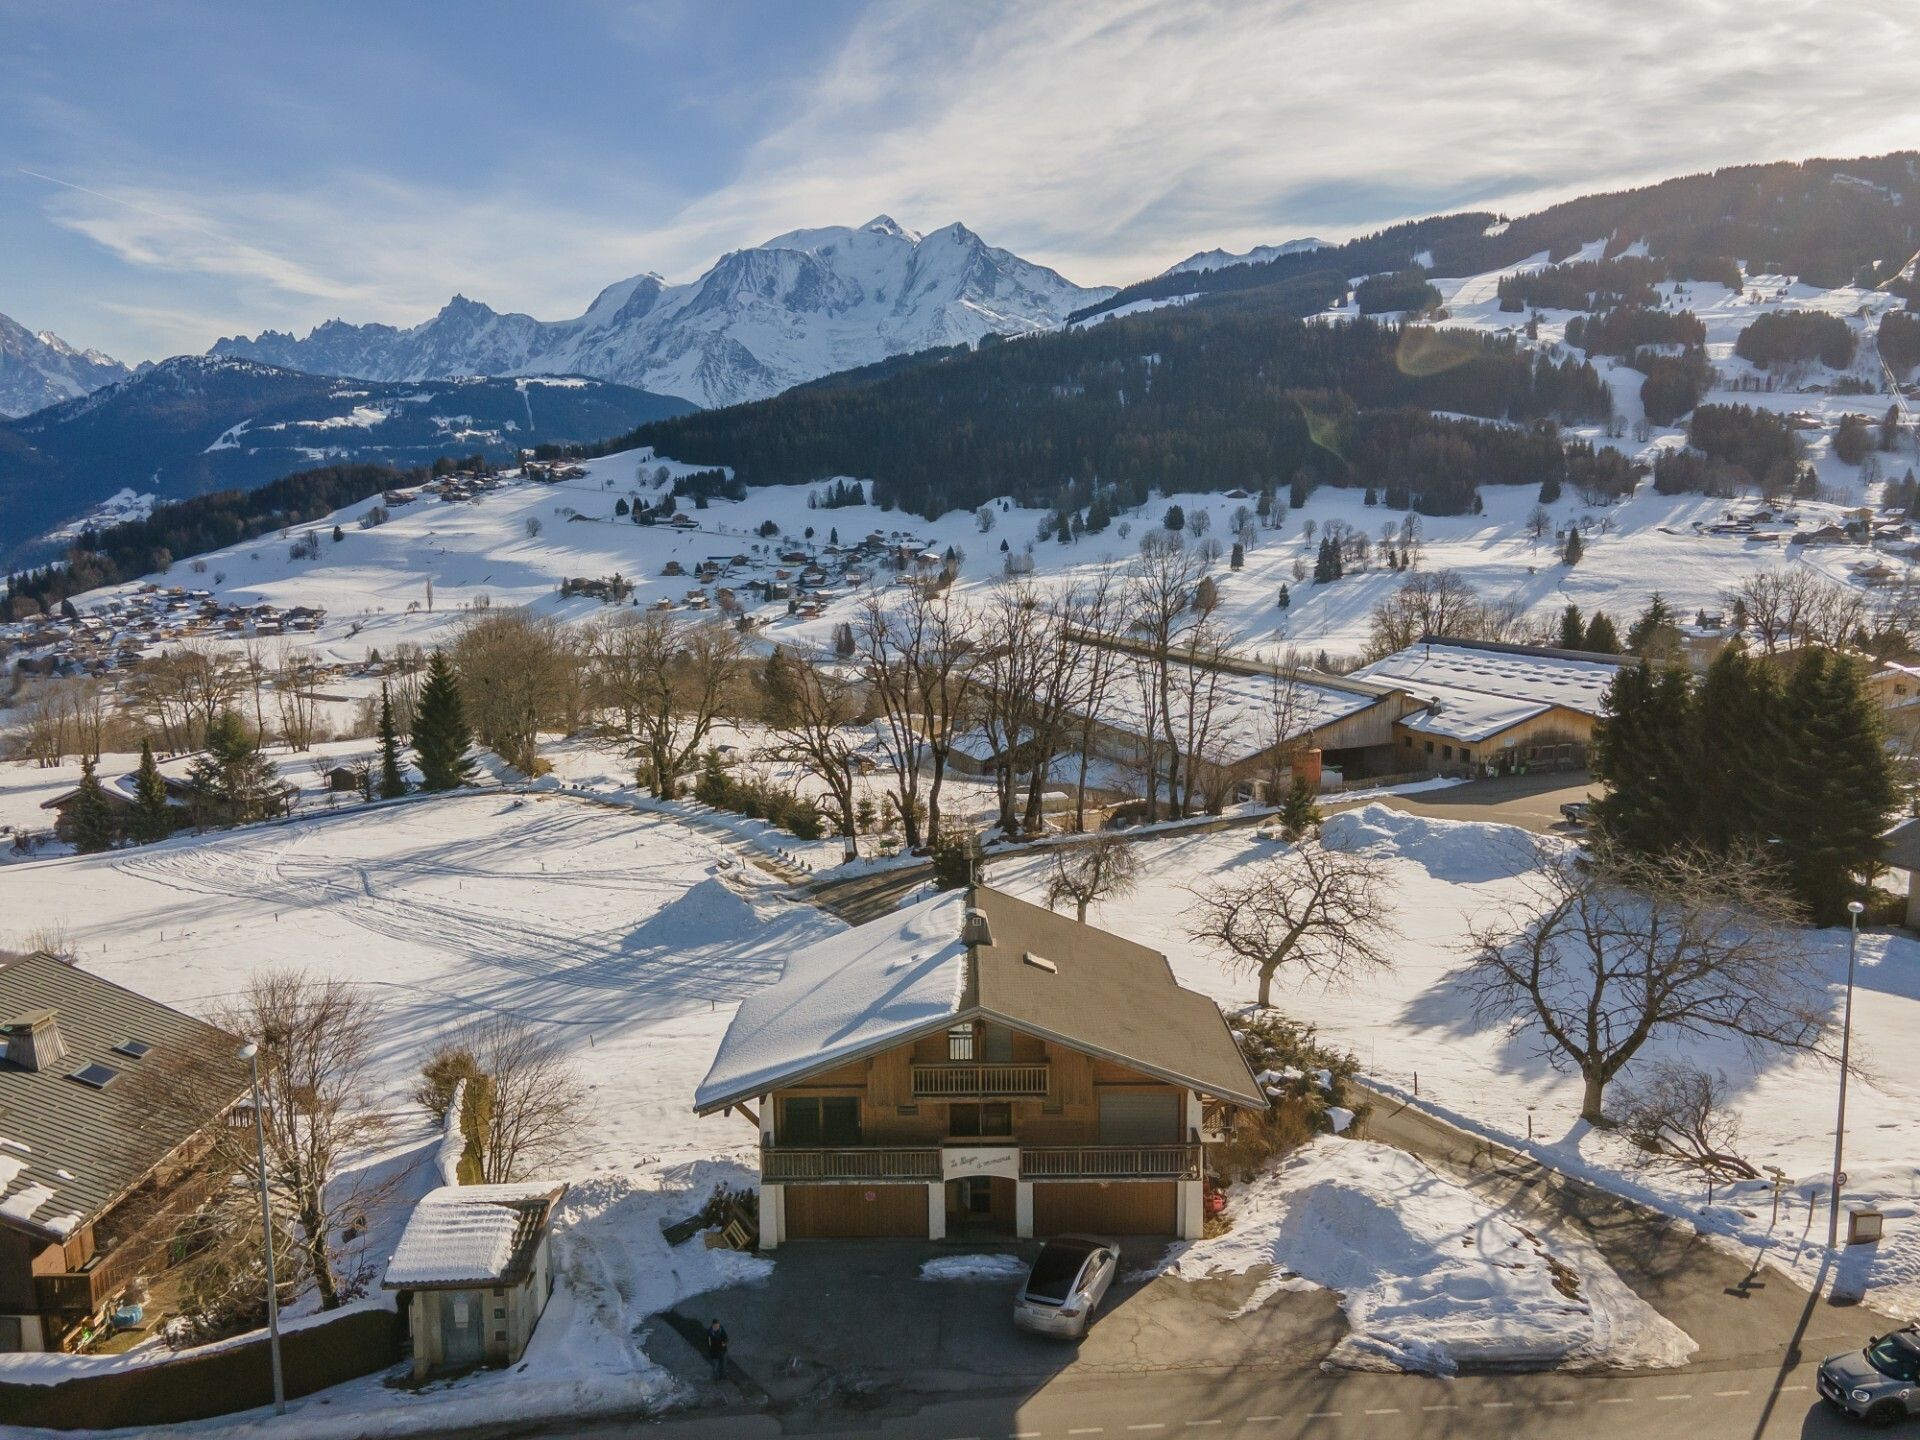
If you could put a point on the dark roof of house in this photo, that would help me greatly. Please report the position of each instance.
(1901, 845)
(70, 1150)
(1051, 975)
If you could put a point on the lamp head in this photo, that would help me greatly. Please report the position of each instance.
(1856, 909)
(249, 1050)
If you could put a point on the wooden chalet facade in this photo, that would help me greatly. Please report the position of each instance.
(1000, 1070)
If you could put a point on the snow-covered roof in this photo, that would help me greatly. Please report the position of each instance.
(909, 974)
(1240, 715)
(1468, 715)
(472, 1235)
(844, 995)
(1567, 678)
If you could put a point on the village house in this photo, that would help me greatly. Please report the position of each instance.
(95, 1177)
(1494, 708)
(976, 1065)
(474, 1270)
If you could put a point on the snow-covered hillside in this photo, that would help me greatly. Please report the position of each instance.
(37, 370)
(804, 304)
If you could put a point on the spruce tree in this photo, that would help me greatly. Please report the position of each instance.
(232, 781)
(90, 821)
(1601, 639)
(1576, 547)
(1573, 634)
(440, 734)
(1737, 744)
(152, 819)
(1654, 634)
(1834, 785)
(392, 783)
(1640, 752)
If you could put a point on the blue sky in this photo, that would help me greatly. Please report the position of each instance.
(170, 173)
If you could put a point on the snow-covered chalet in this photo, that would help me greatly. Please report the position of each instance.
(977, 1065)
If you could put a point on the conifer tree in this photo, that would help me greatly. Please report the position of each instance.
(152, 819)
(1834, 785)
(1601, 638)
(392, 783)
(232, 781)
(90, 820)
(1576, 547)
(1737, 743)
(440, 733)
(1654, 634)
(1640, 752)
(1573, 635)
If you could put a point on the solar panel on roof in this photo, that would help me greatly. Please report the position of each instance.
(96, 1075)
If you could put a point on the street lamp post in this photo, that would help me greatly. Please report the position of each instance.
(1854, 909)
(853, 845)
(251, 1054)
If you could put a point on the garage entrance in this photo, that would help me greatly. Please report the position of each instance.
(1114, 1207)
(820, 1212)
(981, 1207)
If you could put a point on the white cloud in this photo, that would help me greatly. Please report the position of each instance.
(1107, 140)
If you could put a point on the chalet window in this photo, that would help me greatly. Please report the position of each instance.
(821, 1120)
(970, 1121)
(1139, 1117)
(960, 1043)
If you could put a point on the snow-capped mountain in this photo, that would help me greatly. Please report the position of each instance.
(41, 370)
(804, 304)
(1219, 259)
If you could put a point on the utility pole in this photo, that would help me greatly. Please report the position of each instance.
(250, 1053)
(1854, 909)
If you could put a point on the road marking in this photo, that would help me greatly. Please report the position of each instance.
(1496, 1404)
(1394, 1411)
(1673, 1397)
(1088, 1430)
(1559, 1402)
(1439, 1407)
(1618, 1400)
(1723, 1394)
(1323, 1414)
(1789, 1389)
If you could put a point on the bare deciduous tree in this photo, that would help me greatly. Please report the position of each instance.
(1316, 909)
(1104, 866)
(296, 695)
(531, 1106)
(814, 730)
(668, 682)
(517, 674)
(917, 653)
(1679, 1114)
(1599, 956)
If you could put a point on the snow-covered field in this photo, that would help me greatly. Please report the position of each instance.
(1415, 1020)
(1431, 1279)
(630, 935)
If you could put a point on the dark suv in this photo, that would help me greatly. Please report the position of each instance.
(1880, 1384)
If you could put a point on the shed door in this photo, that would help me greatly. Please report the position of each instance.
(1140, 1117)
(463, 1327)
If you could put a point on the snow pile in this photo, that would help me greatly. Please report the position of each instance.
(974, 1267)
(1430, 1279)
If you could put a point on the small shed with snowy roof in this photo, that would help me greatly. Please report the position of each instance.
(474, 1268)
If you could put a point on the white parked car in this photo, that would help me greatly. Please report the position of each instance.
(1069, 1278)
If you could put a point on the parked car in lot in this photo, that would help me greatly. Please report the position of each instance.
(1880, 1384)
(1575, 812)
(1069, 1278)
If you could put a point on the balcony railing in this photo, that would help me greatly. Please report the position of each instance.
(139, 1249)
(1110, 1162)
(980, 1082)
(787, 1166)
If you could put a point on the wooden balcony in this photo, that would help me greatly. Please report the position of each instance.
(980, 1082)
(785, 1165)
(133, 1240)
(1110, 1162)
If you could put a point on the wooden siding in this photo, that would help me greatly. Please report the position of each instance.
(1123, 1207)
(817, 1212)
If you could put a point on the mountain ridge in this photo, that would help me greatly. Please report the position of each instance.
(806, 303)
(38, 369)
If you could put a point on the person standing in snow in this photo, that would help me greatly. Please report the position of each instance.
(717, 1348)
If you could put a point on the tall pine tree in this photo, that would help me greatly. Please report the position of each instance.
(90, 819)
(1573, 635)
(1640, 750)
(1834, 785)
(152, 817)
(392, 783)
(1737, 744)
(232, 781)
(440, 734)
(1601, 638)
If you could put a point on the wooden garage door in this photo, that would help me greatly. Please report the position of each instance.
(822, 1211)
(1120, 1207)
